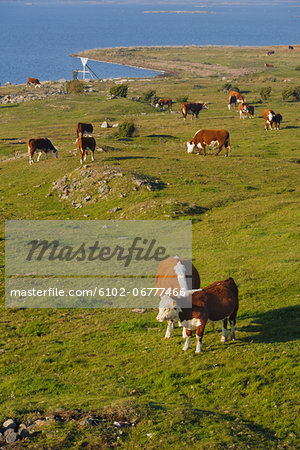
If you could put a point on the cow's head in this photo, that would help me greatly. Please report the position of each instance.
(168, 309)
(204, 106)
(270, 116)
(190, 146)
(157, 105)
(54, 152)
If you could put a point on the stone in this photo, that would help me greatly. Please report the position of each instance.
(115, 209)
(2, 438)
(9, 424)
(139, 310)
(105, 124)
(10, 436)
(23, 433)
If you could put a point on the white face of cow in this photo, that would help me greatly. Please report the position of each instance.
(157, 105)
(190, 146)
(167, 309)
(55, 153)
(270, 116)
(204, 106)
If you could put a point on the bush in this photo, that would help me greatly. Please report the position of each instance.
(182, 99)
(228, 87)
(148, 95)
(291, 92)
(126, 129)
(265, 93)
(75, 87)
(119, 91)
(297, 68)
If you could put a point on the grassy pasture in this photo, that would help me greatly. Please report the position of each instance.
(245, 224)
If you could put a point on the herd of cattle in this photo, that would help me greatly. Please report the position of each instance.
(202, 138)
(194, 307)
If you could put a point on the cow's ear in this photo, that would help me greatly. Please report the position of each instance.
(174, 304)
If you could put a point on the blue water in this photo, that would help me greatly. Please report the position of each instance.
(37, 40)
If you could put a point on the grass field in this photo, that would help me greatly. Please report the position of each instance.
(245, 211)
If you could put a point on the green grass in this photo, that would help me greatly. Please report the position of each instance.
(245, 214)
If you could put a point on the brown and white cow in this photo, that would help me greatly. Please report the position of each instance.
(175, 276)
(269, 65)
(277, 119)
(245, 110)
(83, 128)
(270, 52)
(86, 144)
(192, 108)
(164, 102)
(211, 138)
(216, 302)
(268, 116)
(234, 98)
(40, 145)
(33, 81)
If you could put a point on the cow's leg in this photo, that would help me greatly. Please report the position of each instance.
(219, 149)
(184, 333)
(232, 319)
(199, 336)
(92, 155)
(46, 155)
(227, 150)
(224, 330)
(229, 106)
(169, 329)
(39, 155)
(81, 155)
(188, 340)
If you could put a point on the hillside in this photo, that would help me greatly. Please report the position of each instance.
(80, 370)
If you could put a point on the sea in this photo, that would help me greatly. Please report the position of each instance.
(38, 37)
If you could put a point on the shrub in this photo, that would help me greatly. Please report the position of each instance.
(182, 99)
(119, 91)
(297, 68)
(291, 92)
(126, 129)
(265, 93)
(148, 95)
(75, 87)
(228, 87)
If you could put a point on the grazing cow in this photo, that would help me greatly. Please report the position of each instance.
(291, 47)
(84, 145)
(192, 108)
(233, 98)
(40, 145)
(219, 301)
(210, 138)
(269, 65)
(33, 81)
(271, 52)
(175, 275)
(84, 128)
(164, 102)
(246, 110)
(277, 119)
(268, 116)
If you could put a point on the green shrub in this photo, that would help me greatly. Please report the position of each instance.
(126, 129)
(265, 92)
(297, 68)
(291, 92)
(228, 87)
(119, 91)
(148, 95)
(182, 99)
(75, 87)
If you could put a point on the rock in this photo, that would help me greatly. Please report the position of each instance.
(23, 433)
(8, 83)
(10, 436)
(139, 310)
(9, 424)
(122, 424)
(115, 209)
(115, 125)
(105, 124)
(2, 438)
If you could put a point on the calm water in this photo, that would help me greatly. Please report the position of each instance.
(37, 40)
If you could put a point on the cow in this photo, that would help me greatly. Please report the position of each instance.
(192, 108)
(291, 47)
(218, 301)
(84, 128)
(245, 110)
(33, 81)
(271, 52)
(40, 145)
(269, 65)
(234, 97)
(164, 102)
(174, 275)
(211, 138)
(277, 119)
(268, 116)
(84, 145)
